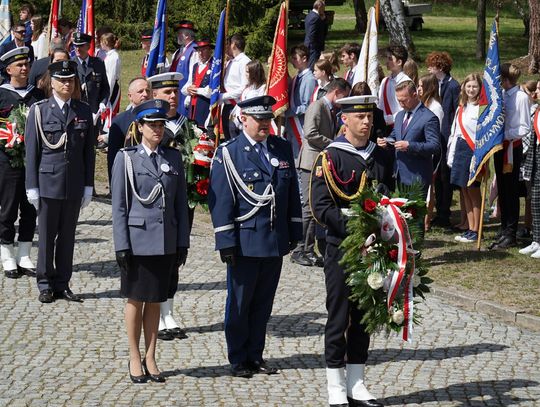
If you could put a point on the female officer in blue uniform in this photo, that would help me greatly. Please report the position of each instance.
(151, 231)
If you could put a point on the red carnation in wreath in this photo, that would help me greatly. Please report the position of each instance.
(202, 187)
(393, 253)
(369, 205)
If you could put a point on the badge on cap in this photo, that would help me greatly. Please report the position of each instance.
(165, 167)
(274, 161)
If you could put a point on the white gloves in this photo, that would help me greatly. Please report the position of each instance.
(32, 195)
(87, 198)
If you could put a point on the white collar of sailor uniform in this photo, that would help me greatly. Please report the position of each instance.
(21, 92)
(175, 124)
(365, 153)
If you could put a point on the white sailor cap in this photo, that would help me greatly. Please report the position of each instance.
(357, 103)
(14, 55)
(259, 107)
(165, 80)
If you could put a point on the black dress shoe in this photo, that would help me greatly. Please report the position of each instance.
(301, 258)
(137, 379)
(158, 378)
(316, 261)
(26, 272)
(46, 296)
(261, 367)
(13, 273)
(504, 243)
(165, 335)
(177, 333)
(364, 403)
(67, 295)
(241, 370)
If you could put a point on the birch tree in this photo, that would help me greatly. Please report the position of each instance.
(394, 18)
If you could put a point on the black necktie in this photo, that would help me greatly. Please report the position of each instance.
(259, 147)
(65, 110)
(84, 66)
(153, 158)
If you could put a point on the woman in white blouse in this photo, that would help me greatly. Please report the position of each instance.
(112, 68)
(428, 91)
(39, 38)
(460, 152)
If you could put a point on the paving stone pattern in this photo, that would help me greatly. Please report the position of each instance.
(68, 354)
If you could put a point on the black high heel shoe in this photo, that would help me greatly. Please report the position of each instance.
(137, 379)
(158, 378)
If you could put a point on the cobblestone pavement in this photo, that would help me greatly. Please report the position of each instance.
(76, 354)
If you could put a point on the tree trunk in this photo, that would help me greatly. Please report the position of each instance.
(534, 38)
(481, 30)
(361, 15)
(524, 15)
(393, 13)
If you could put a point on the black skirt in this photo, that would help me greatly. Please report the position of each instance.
(150, 278)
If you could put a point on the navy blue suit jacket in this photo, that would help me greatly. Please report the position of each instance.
(450, 90)
(423, 135)
(316, 30)
(256, 237)
(117, 135)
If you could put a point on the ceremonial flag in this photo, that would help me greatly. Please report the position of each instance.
(86, 22)
(490, 127)
(367, 62)
(5, 22)
(54, 15)
(158, 54)
(216, 75)
(277, 84)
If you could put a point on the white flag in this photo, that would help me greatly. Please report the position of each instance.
(367, 63)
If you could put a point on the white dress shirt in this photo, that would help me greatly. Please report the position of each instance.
(206, 91)
(393, 103)
(112, 67)
(517, 121)
(235, 79)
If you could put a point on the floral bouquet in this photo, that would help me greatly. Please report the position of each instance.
(12, 135)
(197, 152)
(382, 259)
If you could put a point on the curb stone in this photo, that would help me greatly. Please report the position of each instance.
(492, 309)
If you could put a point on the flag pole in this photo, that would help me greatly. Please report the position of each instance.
(485, 181)
(377, 11)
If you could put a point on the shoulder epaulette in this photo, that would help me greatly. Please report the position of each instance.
(131, 148)
(39, 102)
(226, 143)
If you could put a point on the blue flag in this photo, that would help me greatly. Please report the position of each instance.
(490, 127)
(157, 57)
(5, 22)
(217, 66)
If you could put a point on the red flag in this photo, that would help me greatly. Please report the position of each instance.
(53, 20)
(90, 25)
(277, 85)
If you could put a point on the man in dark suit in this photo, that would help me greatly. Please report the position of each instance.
(92, 74)
(319, 131)
(59, 177)
(255, 206)
(415, 138)
(316, 30)
(440, 64)
(18, 33)
(138, 92)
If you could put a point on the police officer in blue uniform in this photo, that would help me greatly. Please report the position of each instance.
(92, 74)
(14, 93)
(59, 177)
(257, 216)
(151, 233)
(165, 86)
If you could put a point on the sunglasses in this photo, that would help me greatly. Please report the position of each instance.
(20, 32)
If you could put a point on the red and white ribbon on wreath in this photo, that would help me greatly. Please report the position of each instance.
(400, 225)
(10, 135)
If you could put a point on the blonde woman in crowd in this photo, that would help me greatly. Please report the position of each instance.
(460, 152)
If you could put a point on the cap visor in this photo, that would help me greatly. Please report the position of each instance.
(72, 75)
